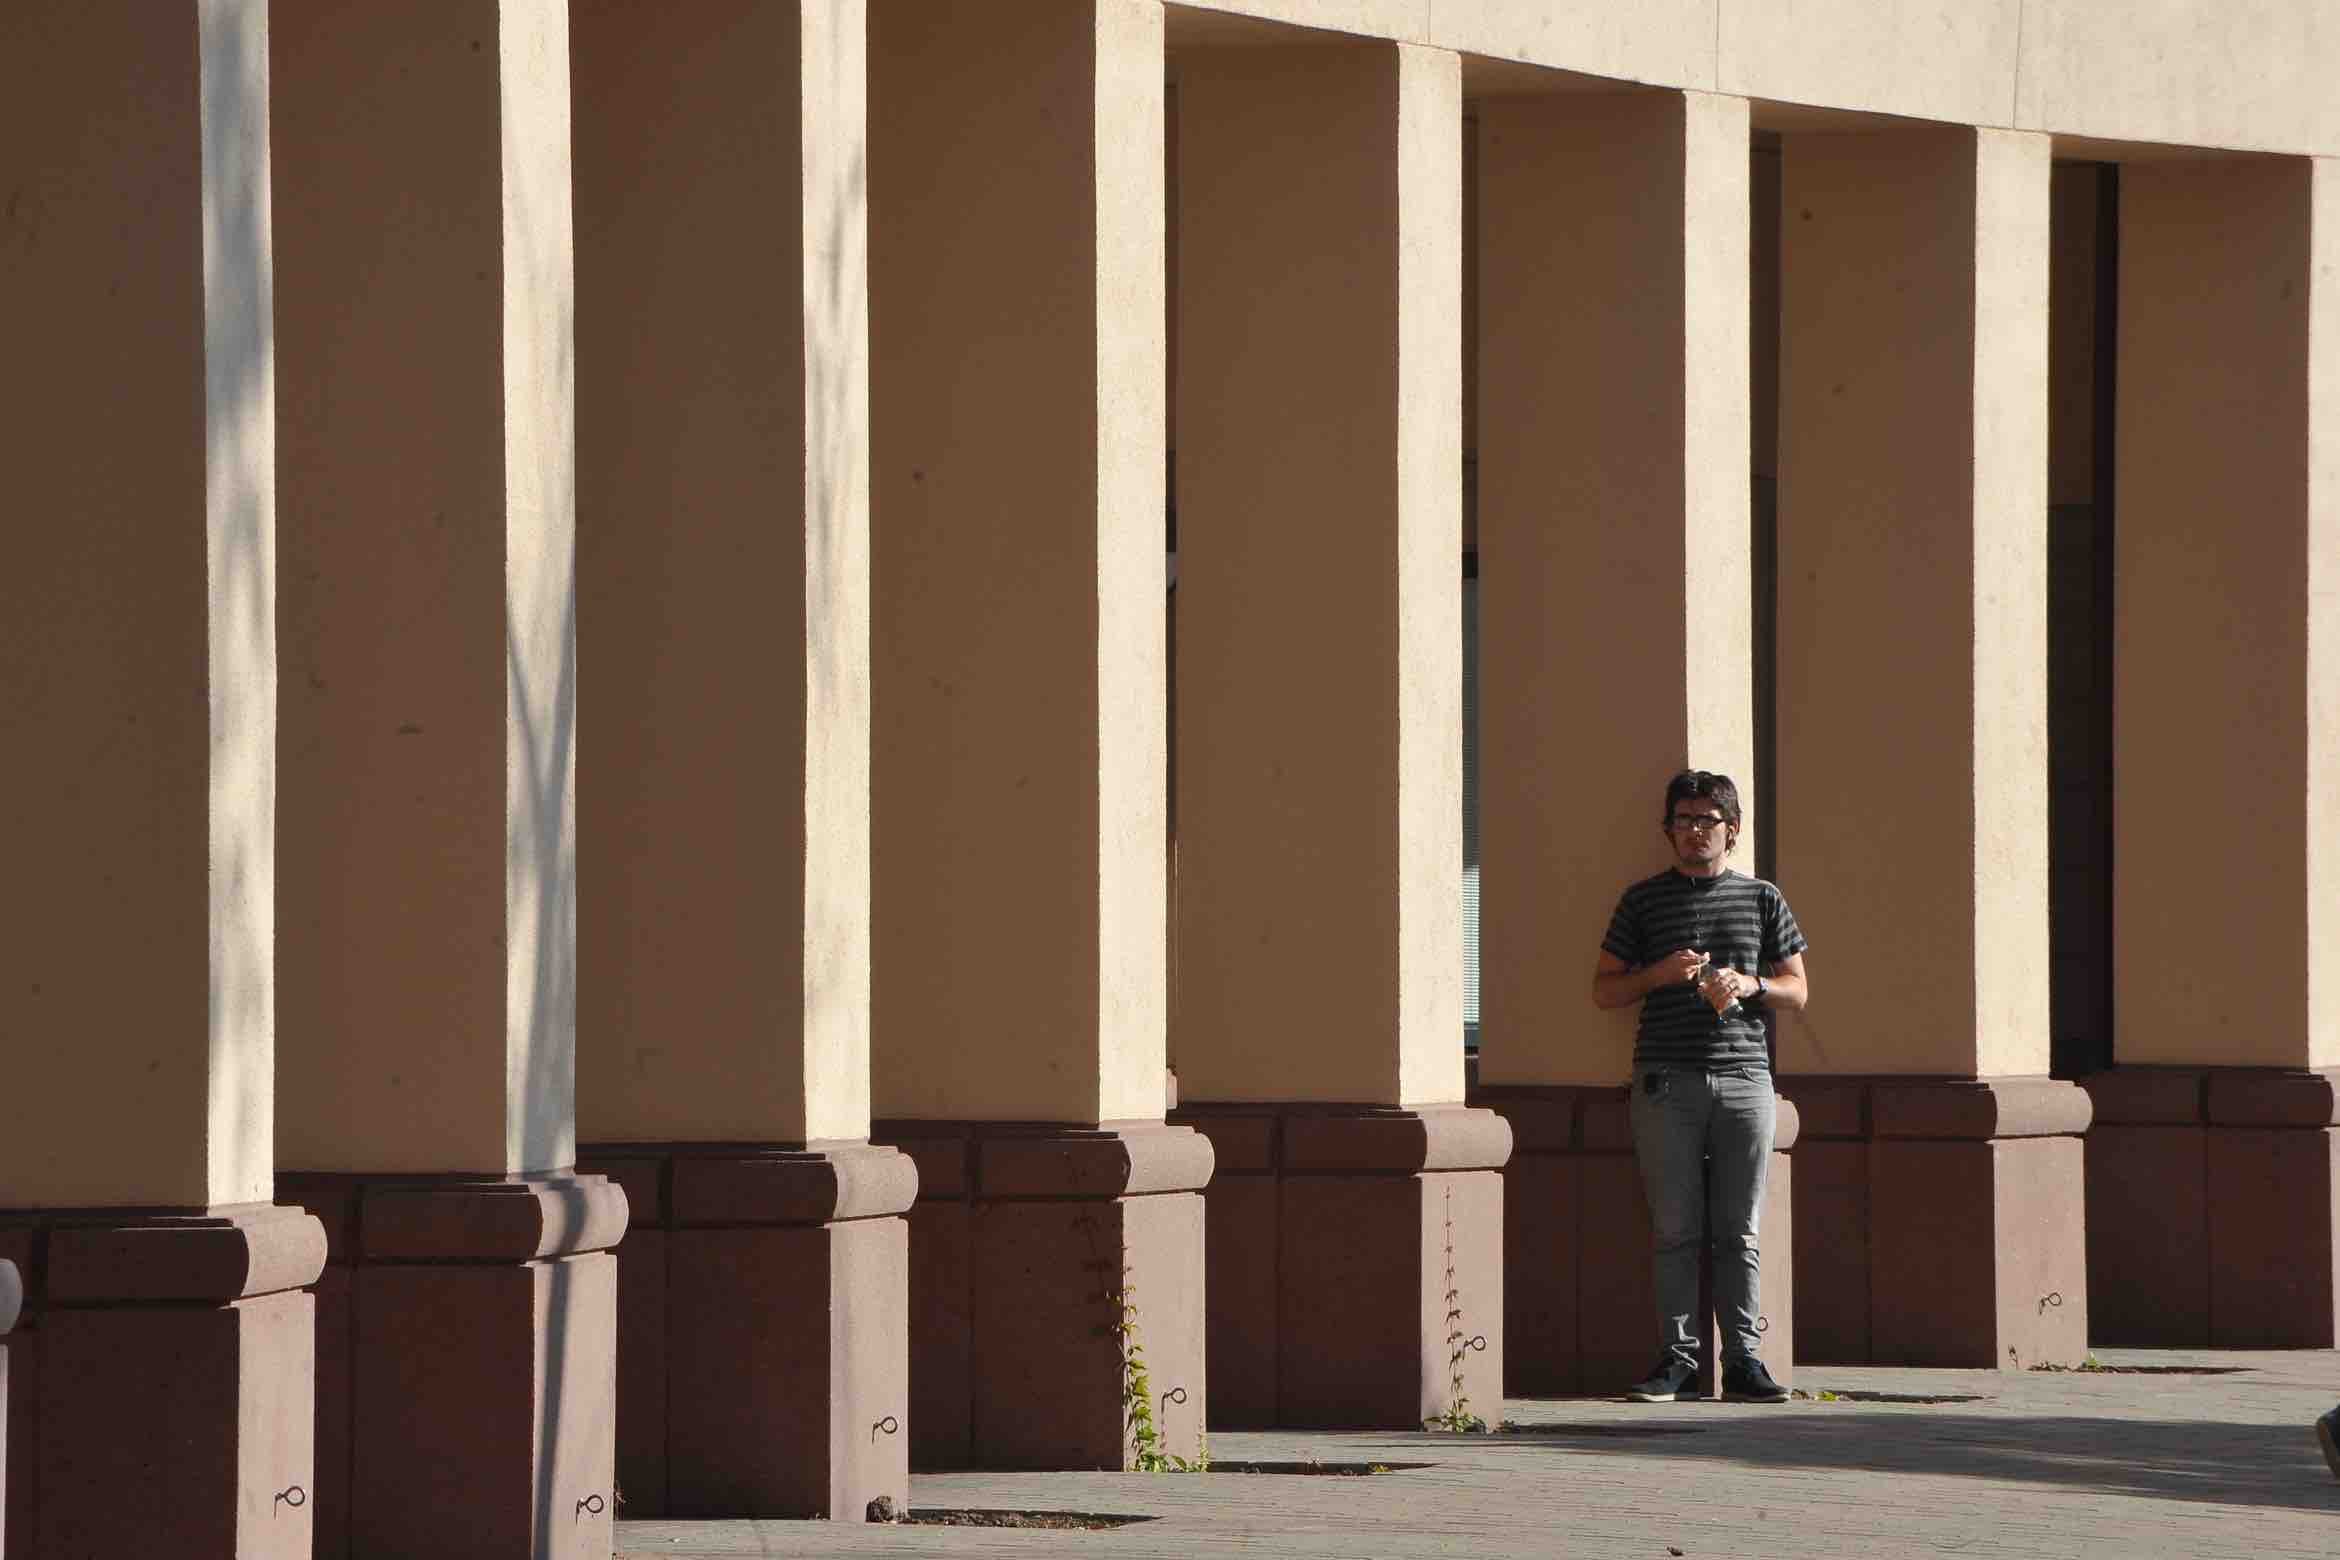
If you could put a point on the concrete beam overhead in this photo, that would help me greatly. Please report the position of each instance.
(2236, 74)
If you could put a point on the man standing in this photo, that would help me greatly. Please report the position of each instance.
(1702, 949)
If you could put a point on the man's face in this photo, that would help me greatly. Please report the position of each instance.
(1698, 832)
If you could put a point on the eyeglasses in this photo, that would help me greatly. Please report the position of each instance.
(1697, 822)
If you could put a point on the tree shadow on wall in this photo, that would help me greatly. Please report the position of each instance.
(540, 647)
(240, 523)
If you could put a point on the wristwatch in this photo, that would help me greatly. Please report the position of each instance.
(1760, 989)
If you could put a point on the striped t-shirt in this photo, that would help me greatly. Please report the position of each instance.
(1739, 921)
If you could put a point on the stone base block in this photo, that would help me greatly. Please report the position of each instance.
(1391, 1299)
(790, 1362)
(2213, 1220)
(2148, 1236)
(1579, 1298)
(168, 1404)
(335, 1295)
(1028, 1248)
(2148, 1173)
(20, 1425)
(11, 1300)
(2273, 1236)
(1831, 1240)
(942, 1300)
(642, 1330)
(1050, 1283)
(184, 1432)
(1543, 1243)
(641, 1256)
(1239, 1221)
(1979, 1253)
(1617, 1327)
(763, 1359)
(1778, 1321)
(2149, 1264)
(491, 1387)
(1831, 1251)
(476, 1399)
(1356, 1264)
(1959, 1237)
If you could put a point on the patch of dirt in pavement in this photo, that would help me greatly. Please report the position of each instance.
(1616, 1432)
(1896, 1397)
(1334, 1470)
(2094, 1369)
(967, 1517)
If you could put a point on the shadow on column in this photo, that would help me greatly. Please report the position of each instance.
(445, 1313)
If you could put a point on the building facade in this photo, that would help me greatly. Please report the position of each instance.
(664, 911)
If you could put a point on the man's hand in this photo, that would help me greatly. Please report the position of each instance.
(1683, 964)
(1617, 984)
(1721, 986)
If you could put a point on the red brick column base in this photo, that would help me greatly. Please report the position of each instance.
(1942, 1221)
(163, 1395)
(1027, 1243)
(2212, 1215)
(763, 1349)
(1580, 1313)
(11, 1303)
(1356, 1277)
(640, 1438)
(2148, 1168)
(1830, 1246)
(466, 1334)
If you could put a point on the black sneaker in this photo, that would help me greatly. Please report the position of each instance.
(2328, 1434)
(1665, 1382)
(1746, 1381)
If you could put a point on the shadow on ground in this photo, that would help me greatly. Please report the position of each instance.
(2248, 1465)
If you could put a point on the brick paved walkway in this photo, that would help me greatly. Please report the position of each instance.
(2209, 1456)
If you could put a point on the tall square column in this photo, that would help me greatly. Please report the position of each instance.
(723, 563)
(1912, 808)
(1017, 767)
(1356, 1224)
(2213, 1177)
(1614, 470)
(162, 1373)
(426, 946)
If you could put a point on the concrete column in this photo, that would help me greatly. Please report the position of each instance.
(2222, 1109)
(1017, 766)
(1614, 462)
(426, 952)
(1940, 1169)
(162, 1391)
(723, 563)
(1356, 1224)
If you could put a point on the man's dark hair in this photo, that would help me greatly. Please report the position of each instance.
(1705, 785)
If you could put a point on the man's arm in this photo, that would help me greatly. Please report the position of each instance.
(1616, 984)
(1784, 985)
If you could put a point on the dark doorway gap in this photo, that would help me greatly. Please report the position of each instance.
(1763, 493)
(2081, 583)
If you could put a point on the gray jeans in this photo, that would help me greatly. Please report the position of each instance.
(1704, 1138)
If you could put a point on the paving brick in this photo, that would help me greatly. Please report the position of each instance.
(2195, 1453)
